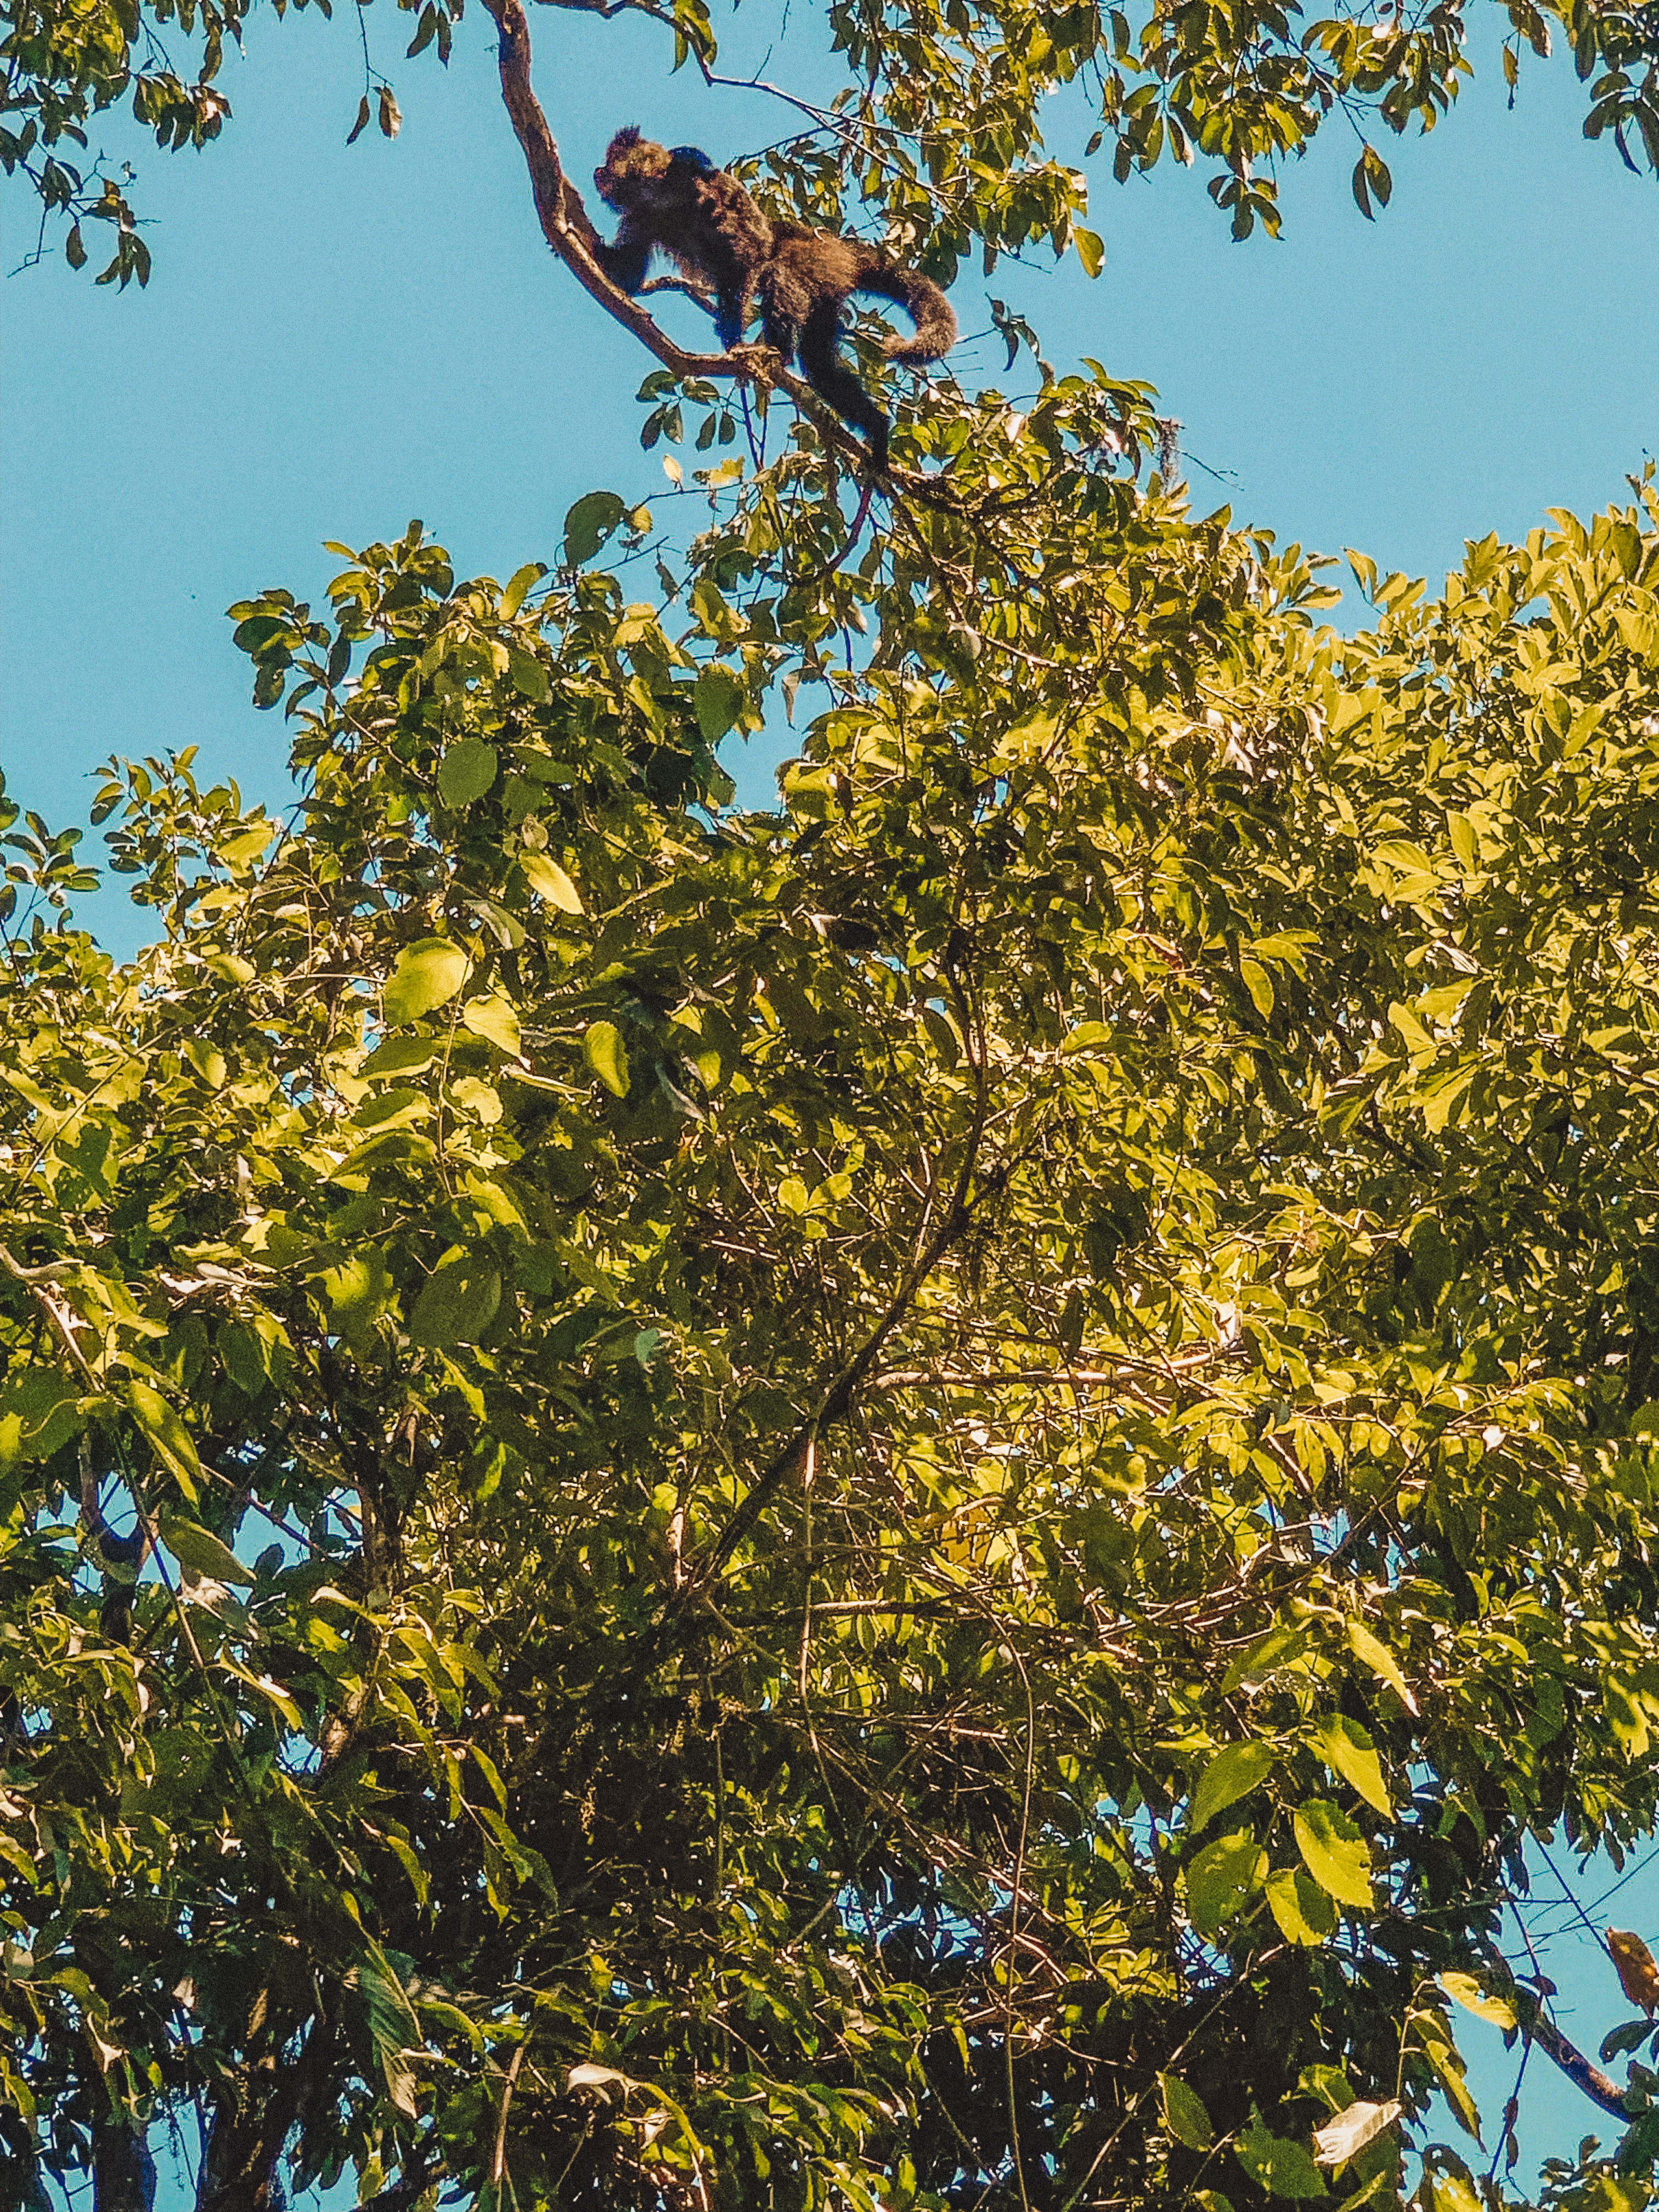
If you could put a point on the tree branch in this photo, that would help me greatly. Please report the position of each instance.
(1598, 2086)
(568, 230)
(564, 220)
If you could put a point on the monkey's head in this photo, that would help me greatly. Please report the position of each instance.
(637, 173)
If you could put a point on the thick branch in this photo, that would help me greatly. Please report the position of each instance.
(1598, 2086)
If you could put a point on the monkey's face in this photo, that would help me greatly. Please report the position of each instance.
(632, 171)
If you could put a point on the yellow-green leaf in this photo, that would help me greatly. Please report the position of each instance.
(1231, 1775)
(496, 1020)
(1335, 1852)
(549, 881)
(1222, 1879)
(427, 975)
(1303, 1913)
(1470, 1994)
(1378, 1656)
(602, 1048)
(169, 1439)
(1347, 1750)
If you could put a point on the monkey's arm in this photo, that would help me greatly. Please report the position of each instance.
(625, 263)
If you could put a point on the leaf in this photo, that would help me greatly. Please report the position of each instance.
(427, 975)
(1335, 1852)
(529, 677)
(521, 582)
(1091, 250)
(1222, 1877)
(1638, 1976)
(360, 125)
(1381, 1661)
(203, 1553)
(458, 1303)
(590, 2076)
(1279, 1647)
(496, 1020)
(1184, 2114)
(717, 699)
(391, 119)
(1274, 2163)
(394, 2031)
(1474, 1998)
(549, 881)
(1258, 983)
(168, 1437)
(1231, 1775)
(467, 772)
(602, 1048)
(1338, 2140)
(589, 523)
(1303, 1911)
(1347, 1750)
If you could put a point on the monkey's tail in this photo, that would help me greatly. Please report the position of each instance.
(922, 301)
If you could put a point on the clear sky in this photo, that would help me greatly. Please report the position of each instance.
(335, 340)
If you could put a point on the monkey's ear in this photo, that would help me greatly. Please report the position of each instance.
(694, 158)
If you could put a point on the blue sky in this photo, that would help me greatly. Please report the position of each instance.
(335, 340)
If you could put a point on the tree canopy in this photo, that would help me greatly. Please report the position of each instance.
(909, 1501)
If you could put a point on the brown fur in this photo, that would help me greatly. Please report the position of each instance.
(675, 200)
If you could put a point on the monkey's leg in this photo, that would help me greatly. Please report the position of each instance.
(731, 310)
(819, 352)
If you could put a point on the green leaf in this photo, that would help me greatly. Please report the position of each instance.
(1223, 1878)
(168, 1437)
(589, 523)
(529, 677)
(1091, 250)
(467, 771)
(427, 975)
(1231, 1775)
(1348, 1751)
(394, 2031)
(1335, 1852)
(602, 1048)
(1303, 1913)
(1274, 2163)
(549, 881)
(203, 1553)
(717, 699)
(522, 581)
(1184, 2114)
(456, 1305)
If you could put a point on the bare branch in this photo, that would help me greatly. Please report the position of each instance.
(1598, 2086)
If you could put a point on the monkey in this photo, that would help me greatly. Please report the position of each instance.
(675, 199)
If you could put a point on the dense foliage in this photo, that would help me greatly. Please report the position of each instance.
(903, 1502)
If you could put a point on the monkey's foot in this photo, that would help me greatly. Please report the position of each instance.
(759, 363)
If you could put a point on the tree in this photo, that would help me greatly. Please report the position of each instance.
(912, 1501)
(947, 1476)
